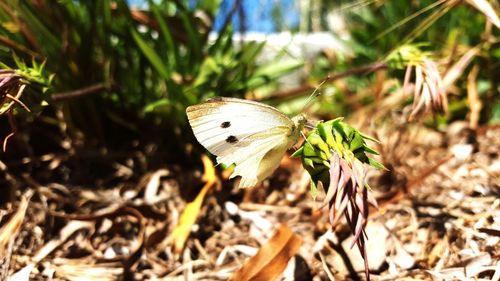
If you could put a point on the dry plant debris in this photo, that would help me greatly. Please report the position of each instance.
(272, 258)
(445, 226)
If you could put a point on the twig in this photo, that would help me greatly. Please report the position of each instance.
(64, 96)
(16, 99)
(304, 88)
(357, 71)
(12, 124)
(14, 45)
(28, 35)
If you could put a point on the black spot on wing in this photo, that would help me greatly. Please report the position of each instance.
(232, 139)
(226, 124)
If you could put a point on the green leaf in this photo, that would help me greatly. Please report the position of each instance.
(154, 106)
(272, 71)
(299, 152)
(313, 191)
(369, 150)
(325, 131)
(321, 148)
(367, 137)
(376, 164)
(495, 115)
(356, 142)
(212, 6)
(250, 51)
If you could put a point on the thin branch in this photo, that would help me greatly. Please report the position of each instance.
(13, 127)
(15, 46)
(94, 89)
(14, 100)
(305, 88)
(18, 102)
(357, 71)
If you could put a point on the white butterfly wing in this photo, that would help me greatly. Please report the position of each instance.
(252, 135)
(228, 117)
(266, 158)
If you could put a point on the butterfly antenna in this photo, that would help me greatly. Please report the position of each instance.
(305, 138)
(309, 125)
(315, 93)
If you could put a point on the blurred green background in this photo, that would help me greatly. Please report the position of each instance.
(115, 76)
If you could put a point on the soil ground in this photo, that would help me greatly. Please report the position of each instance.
(439, 218)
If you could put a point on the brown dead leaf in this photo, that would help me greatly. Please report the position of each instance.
(188, 218)
(272, 258)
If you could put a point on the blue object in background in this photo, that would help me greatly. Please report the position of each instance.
(139, 4)
(258, 14)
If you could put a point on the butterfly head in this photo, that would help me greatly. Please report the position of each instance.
(299, 121)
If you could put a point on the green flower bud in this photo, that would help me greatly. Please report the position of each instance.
(334, 136)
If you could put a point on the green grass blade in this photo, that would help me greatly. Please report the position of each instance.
(151, 55)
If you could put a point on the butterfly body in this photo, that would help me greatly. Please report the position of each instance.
(252, 135)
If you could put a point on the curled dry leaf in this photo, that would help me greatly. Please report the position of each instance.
(272, 258)
(150, 193)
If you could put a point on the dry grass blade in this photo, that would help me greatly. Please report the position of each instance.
(473, 99)
(485, 7)
(356, 5)
(136, 246)
(327, 270)
(409, 18)
(49, 247)
(457, 70)
(66, 232)
(74, 269)
(272, 258)
(8, 234)
(431, 19)
(8, 106)
(10, 83)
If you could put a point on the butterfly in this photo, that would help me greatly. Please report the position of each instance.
(252, 135)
